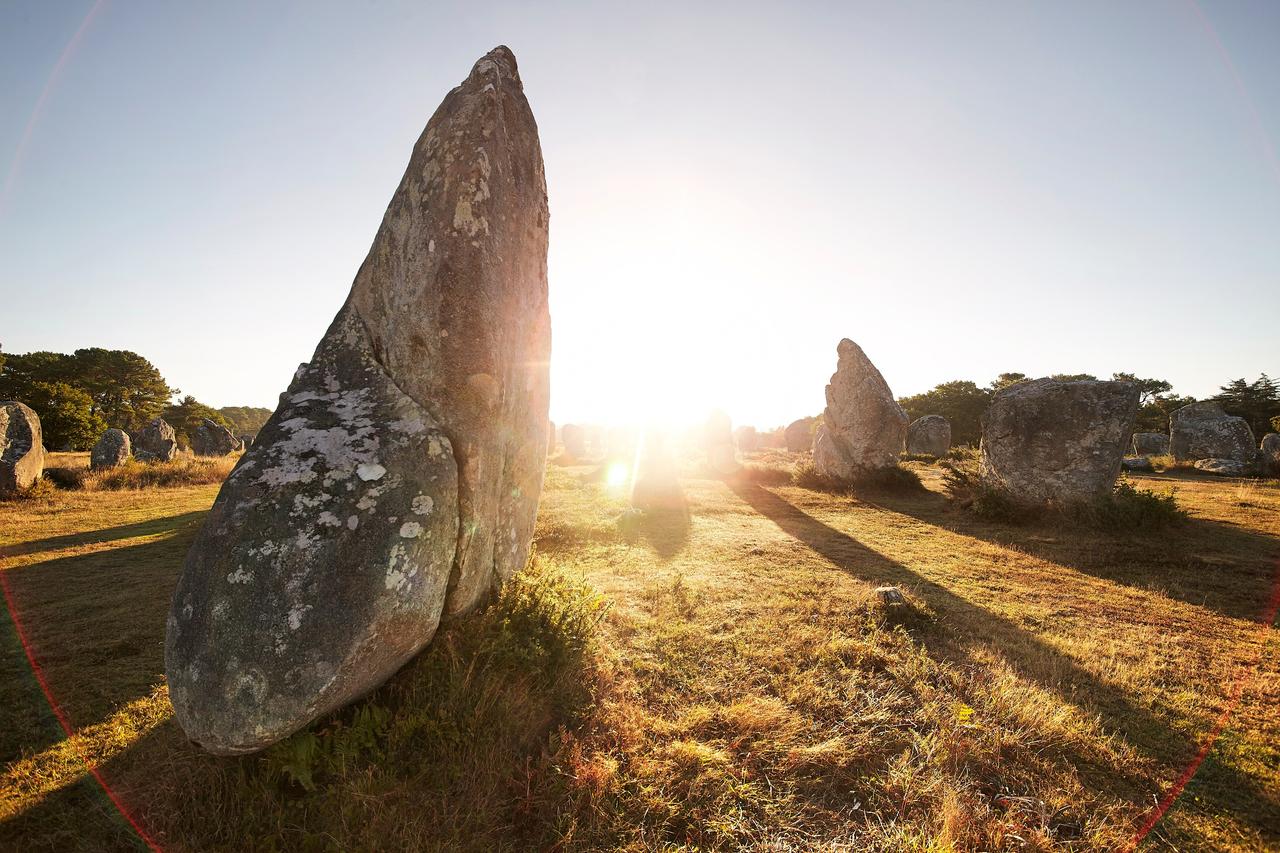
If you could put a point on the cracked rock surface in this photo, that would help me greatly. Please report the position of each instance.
(398, 480)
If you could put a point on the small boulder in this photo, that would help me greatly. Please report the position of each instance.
(156, 442)
(111, 450)
(863, 427)
(1205, 431)
(213, 439)
(1222, 467)
(929, 435)
(21, 448)
(1050, 441)
(1136, 463)
(890, 596)
(1150, 444)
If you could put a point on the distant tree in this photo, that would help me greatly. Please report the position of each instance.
(127, 389)
(1074, 377)
(1275, 424)
(1153, 416)
(245, 420)
(1257, 402)
(961, 402)
(187, 414)
(1148, 389)
(67, 419)
(1004, 380)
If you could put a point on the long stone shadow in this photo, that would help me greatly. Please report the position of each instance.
(107, 534)
(1174, 558)
(1033, 658)
(95, 624)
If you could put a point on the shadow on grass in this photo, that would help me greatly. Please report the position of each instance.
(95, 625)
(1200, 562)
(107, 534)
(965, 624)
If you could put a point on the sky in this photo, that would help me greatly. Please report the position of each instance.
(963, 189)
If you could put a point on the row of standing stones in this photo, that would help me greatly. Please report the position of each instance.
(23, 455)
(396, 484)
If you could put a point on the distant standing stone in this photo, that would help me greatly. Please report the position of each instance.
(21, 448)
(1136, 463)
(213, 439)
(1270, 450)
(717, 438)
(111, 450)
(1205, 431)
(1049, 441)
(551, 437)
(398, 480)
(799, 435)
(930, 435)
(1150, 444)
(863, 427)
(747, 438)
(156, 442)
(574, 439)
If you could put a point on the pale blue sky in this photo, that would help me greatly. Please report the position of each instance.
(962, 188)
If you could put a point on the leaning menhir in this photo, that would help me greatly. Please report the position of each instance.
(156, 442)
(1049, 441)
(398, 479)
(21, 447)
(213, 439)
(863, 427)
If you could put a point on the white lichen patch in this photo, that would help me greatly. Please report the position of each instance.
(422, 505)
(240, 576)
(295, 615)
(328, 519)
(370, 471)
(410, 530)
(435, 448)
(353, 522)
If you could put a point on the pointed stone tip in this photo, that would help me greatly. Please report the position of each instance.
(499, 62)
(847, 346)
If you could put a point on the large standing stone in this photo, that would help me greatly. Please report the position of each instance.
(1049, 441)
(799, 435)
(863, 427)
(111, 450)
(1150, 444)
(156, 442)
(1205, 431)
(1270, 451)
(21, 448)
(930, 435)
(399, 477)
(213, 439)
(574, 439)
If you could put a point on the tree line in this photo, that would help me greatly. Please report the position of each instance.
(963, 402)
(81, 394)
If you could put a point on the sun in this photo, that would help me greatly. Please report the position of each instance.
(618, 475)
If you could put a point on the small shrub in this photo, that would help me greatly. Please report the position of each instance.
(768, 474)
(963, 482)
(67, 478)
(1127, 508)
(894, 479)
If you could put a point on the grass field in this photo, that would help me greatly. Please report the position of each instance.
(715, 673)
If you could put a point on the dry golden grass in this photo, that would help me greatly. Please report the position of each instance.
(71, 471)
(1042, 687)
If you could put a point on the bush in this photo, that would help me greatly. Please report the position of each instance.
(182, 471)
(962, 481)
(893, 479)
(766, 474)
(1128, 507)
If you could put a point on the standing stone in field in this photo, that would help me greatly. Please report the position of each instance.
(863, 427)
(1150, 444)
(574, 440)
(747, 438)
(717, 441)
(111, 450)
(21, 448)
(398, 479)
(551, 437)
(1049, 441)
(156, 442)
(1205, 431)
(799, 435)
(1270, 451)
(929, 435)
(213, 439)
